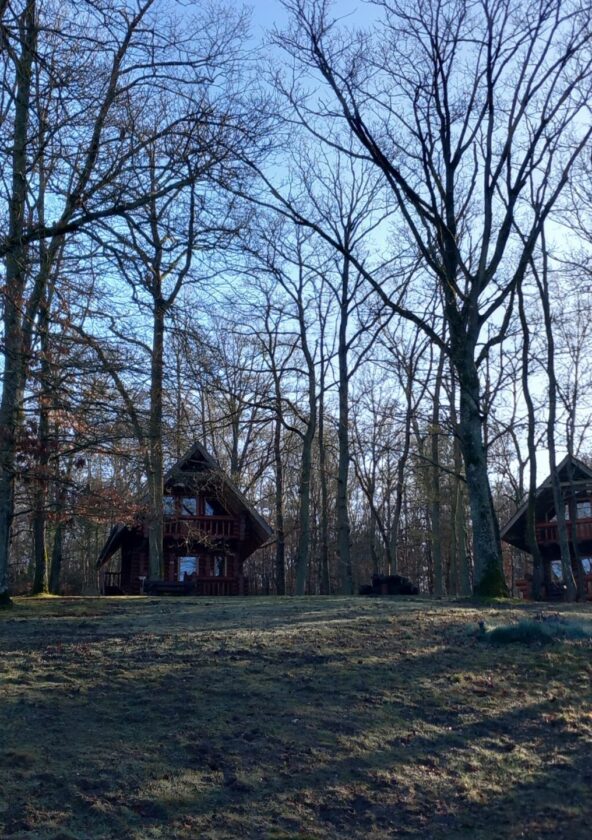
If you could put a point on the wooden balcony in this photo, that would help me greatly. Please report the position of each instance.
(548, 532)
(196, 527)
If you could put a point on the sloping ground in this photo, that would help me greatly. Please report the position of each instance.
(288, 718)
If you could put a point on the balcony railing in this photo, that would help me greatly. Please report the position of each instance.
(548, 532)
(211, 527)
(111, 583)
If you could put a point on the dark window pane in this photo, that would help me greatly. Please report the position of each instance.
(189, 507)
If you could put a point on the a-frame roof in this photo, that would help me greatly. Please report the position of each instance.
(196, 467)
(196, 462)
(514, 531)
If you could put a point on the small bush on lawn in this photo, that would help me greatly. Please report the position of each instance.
(544, 630)
(524, 632)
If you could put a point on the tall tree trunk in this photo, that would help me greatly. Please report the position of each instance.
(464, 571)
(489, 577)
(373, 550)
(343, 526)
(542, 283)
(436, 536)
(56, 559)
(179, 413)
(572, 406)
(325, 585)
(280, 535)
(60, 481)
(235, 439)
(15, 278)
(537, 559)
(155, 472)
(566, 567)
(400, 485)
(303, 550)
(41, 576)
(573, 516)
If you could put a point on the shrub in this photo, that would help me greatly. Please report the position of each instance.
(542, 630)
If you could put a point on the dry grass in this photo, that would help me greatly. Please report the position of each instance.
(288, 718)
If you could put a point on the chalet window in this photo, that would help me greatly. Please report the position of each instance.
(168, 505)
(189, 507)
(587, 565)
(213, 508)
(188, 566)
(219, 566)
(556, 571)
(584, 509)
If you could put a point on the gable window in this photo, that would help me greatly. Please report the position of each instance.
(219, 566)
(188, 566)
(168, 505)
(213, 508)
(189, 507)
(584, 509)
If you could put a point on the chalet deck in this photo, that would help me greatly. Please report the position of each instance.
(209, 529)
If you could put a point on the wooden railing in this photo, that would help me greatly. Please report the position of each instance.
(111, 580)
(197, 586)
(218, 586)
(524, 588)
(548, 532)
(215, 527)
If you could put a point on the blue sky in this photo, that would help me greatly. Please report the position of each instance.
(266, 13)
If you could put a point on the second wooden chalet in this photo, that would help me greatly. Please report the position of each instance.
(209, 531)
(576, 483)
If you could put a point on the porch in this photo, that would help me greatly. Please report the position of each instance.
(555, 591)
(192, 585)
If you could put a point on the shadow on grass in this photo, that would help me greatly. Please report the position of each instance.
(330, 720)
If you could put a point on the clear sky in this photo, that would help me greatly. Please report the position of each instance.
(266, 13)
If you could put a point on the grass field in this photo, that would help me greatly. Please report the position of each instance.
(289, 718)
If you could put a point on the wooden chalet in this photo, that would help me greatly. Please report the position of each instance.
(209, 531)
(576, 480)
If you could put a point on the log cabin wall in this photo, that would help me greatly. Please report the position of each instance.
(218, 560)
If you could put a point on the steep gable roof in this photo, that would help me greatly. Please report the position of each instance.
(514, 531)
(195, 458)
(197, 462)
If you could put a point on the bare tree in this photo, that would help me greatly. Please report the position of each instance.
(456, 104)
(107, 71)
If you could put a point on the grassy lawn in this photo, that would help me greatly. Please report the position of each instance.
(289, 718)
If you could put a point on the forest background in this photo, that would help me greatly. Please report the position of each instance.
(350, 255)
